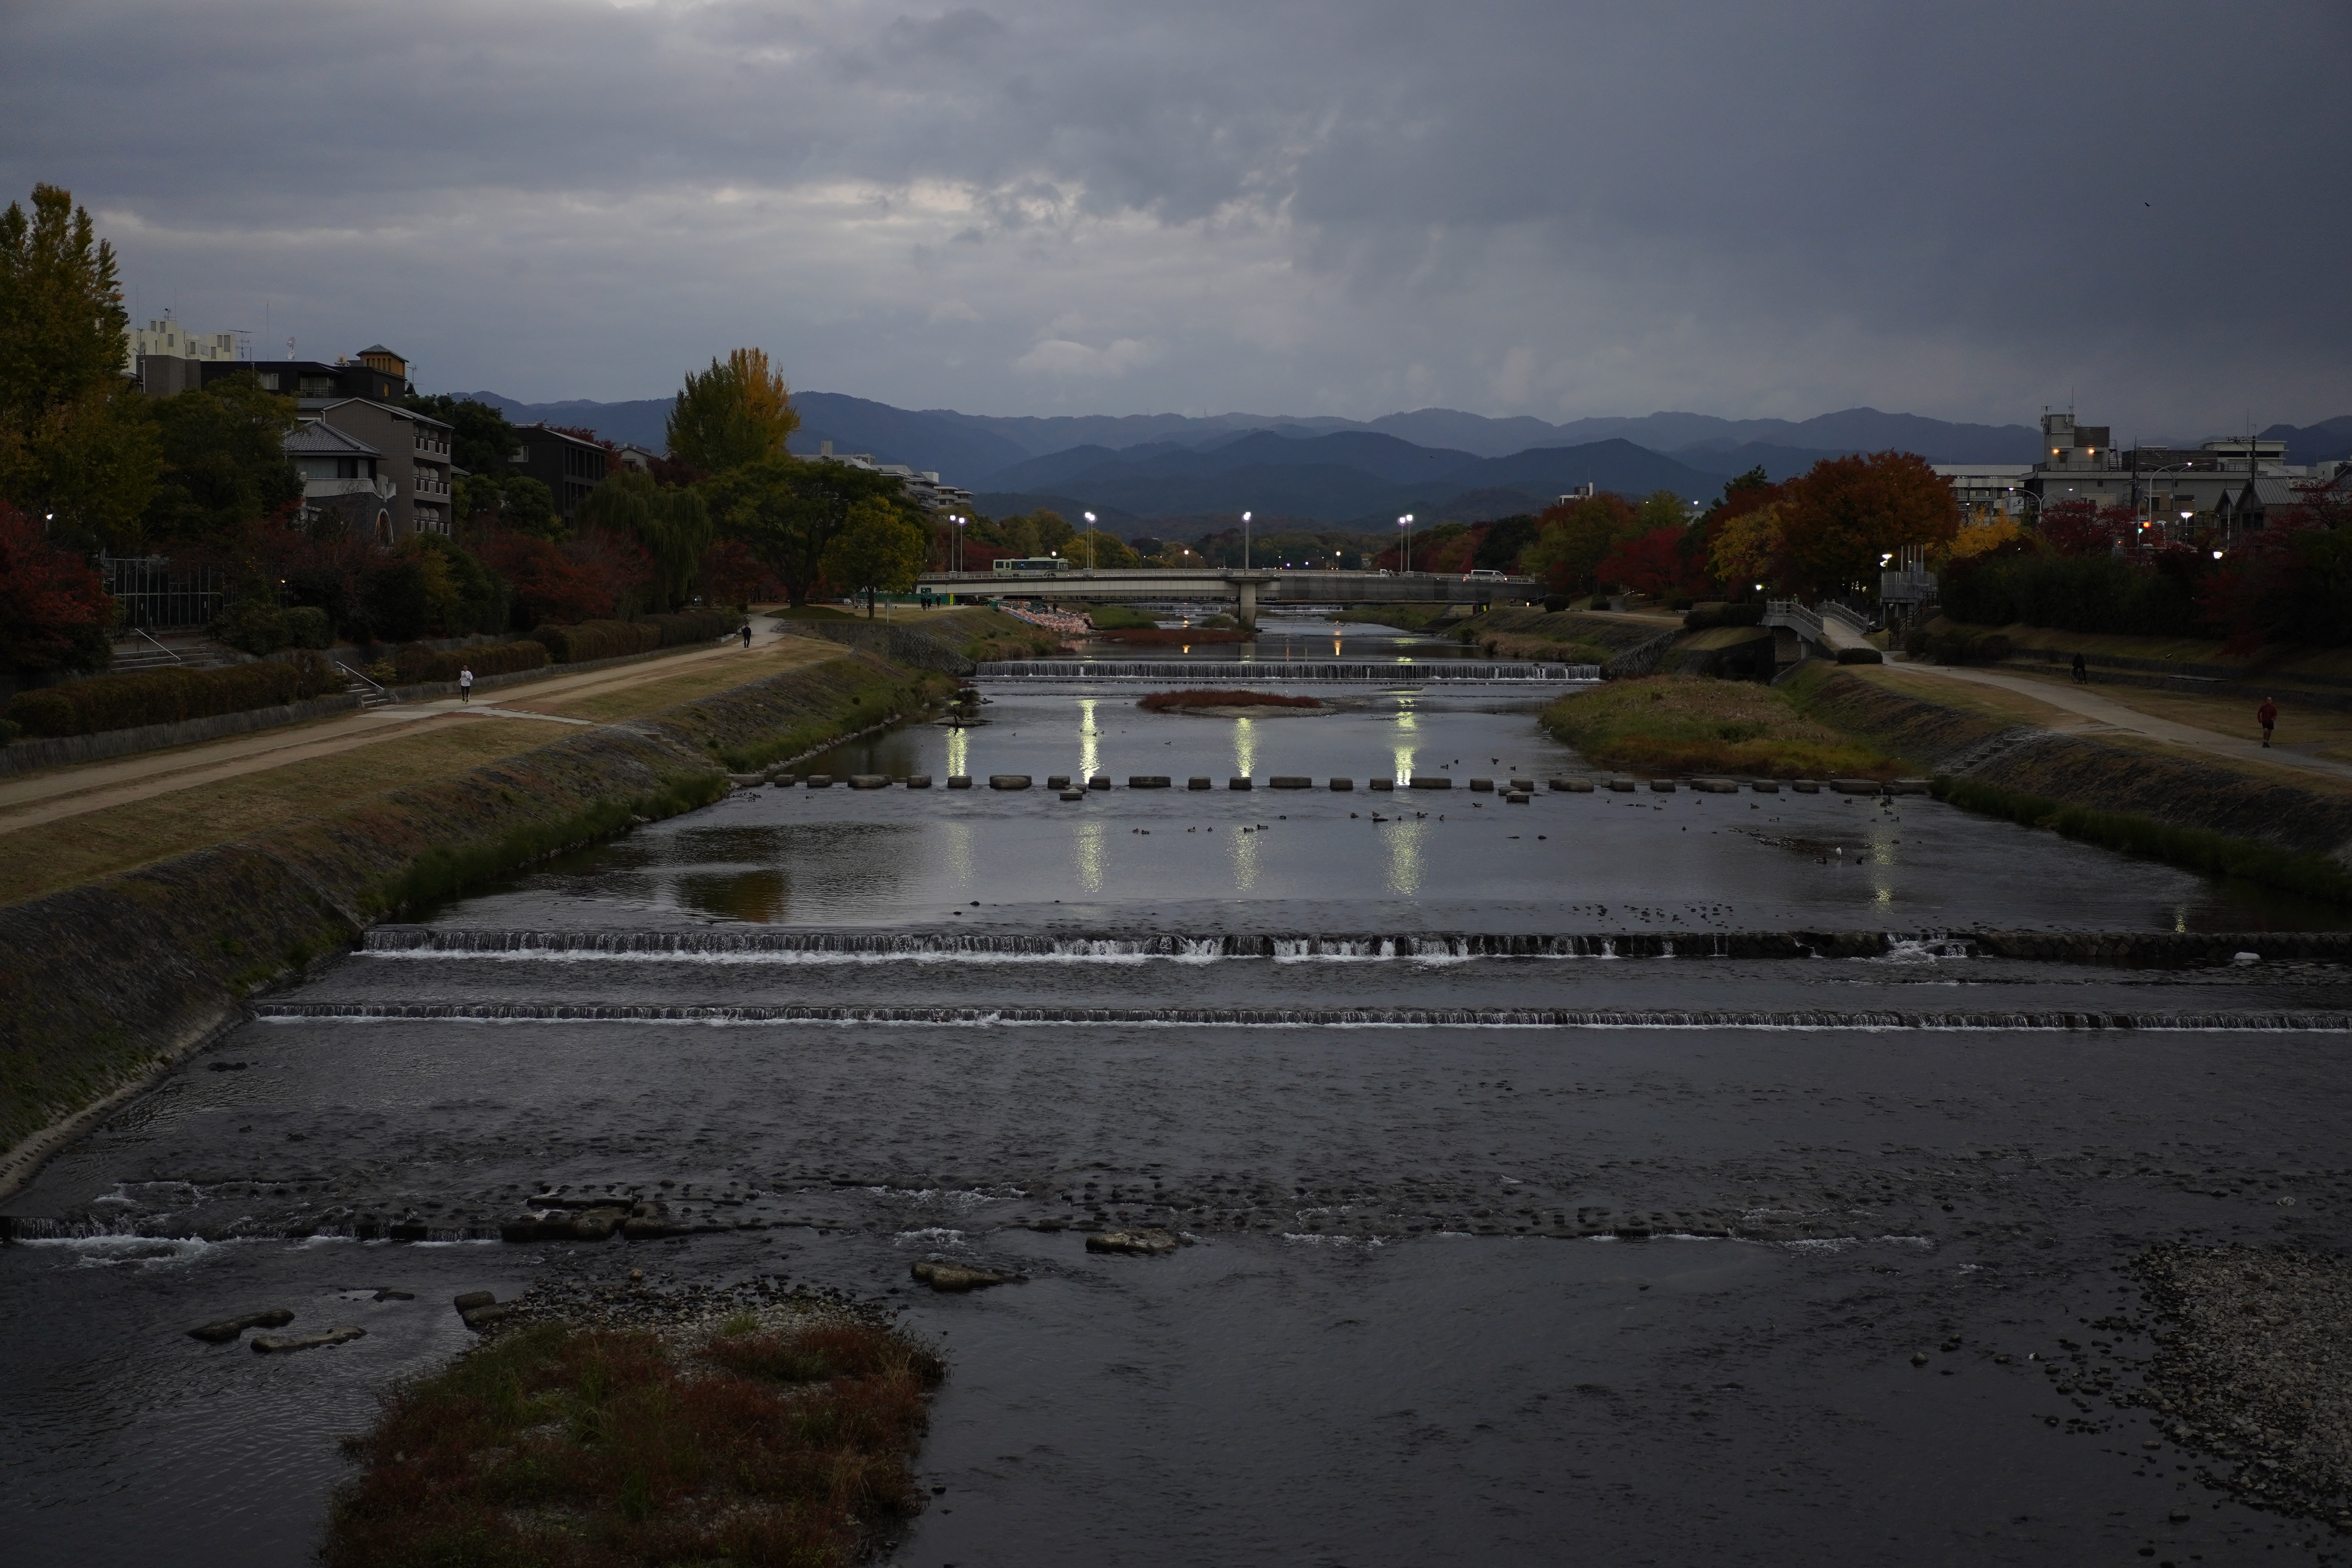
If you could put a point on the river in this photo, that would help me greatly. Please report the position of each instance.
(1496, 1259)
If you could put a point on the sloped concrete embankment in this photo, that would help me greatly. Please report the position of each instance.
(103, 986)
(2205, 815)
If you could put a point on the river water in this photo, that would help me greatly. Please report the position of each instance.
(1496, 1258)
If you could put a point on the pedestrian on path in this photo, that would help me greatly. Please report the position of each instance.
(2267, 717)
(466, 684)
(746, 633)
(2082, 674)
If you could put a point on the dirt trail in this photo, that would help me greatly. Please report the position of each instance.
(2089, 705)
(45, 797)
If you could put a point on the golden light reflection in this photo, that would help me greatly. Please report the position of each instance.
(1089, 851)
(959, 752)
(1088, 755)
(1405, 855)
(1243, 849)
(1246, 748)
(1404, 746)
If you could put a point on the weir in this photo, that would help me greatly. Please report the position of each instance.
(1307, 1017)
(1400, 673)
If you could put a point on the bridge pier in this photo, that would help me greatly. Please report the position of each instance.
(1246, 613)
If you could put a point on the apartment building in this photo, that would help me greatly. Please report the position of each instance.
(569, 467)
(412, 457)
(164, 357)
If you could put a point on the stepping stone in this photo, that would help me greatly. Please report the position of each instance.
(869, 780)
(1908, 786)
(1572, 786)
(919, 780)
(1289, 781)
(1057, 780)
(1100, 781)
(1663, 786)
(1008, 781)
(1516, 798)
(1198, 783)
(1716, 787)
(1343, 785)
(1380, 783)
(1146, 781)
(1624, 786)
(1431, 781)
(1482, 786)
(1526, 787)
(1854, 786)
(1238, 784)
(1764, 786)
(1073, 794)
(1806, 786)
(820, 780)
(959, 780)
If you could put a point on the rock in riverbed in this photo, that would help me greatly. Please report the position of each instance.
(1139, 1243)
(955, 1277)
(228, 1328)
(281, 1344)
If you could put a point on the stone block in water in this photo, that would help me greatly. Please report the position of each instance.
(1663, 786)
(1146, 781)
(869, 780)
(1343, 784)
(1198, 783)
(228, 1328)
(959, 780)
(1238, 784)
(1057, 780)
(1289, 781)
(1431, 781)
(1008, 781)
(1482, 786)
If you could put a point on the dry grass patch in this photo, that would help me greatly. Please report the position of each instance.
(598, 1448)
(173, 821)
(631, 694)
(1672, 724)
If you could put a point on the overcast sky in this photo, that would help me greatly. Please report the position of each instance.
(1556, 207)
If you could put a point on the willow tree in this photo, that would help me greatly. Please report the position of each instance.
(75, 438)
(735, 413)
(673, 525)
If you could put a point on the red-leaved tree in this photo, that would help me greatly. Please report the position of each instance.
(54, 610)
(2086, 528)
(1653, 563)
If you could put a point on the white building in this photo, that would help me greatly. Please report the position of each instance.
(923, 484)
(168, 337)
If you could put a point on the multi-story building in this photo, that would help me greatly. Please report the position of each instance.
(2173, 489)
(340, 477)
(412, 456)
(317, 380)
(569, 467)
(923, 484)
(164, 357)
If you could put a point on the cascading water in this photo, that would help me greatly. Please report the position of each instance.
(1401, 672)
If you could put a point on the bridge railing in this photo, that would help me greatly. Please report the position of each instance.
(1846, 615)
(1789, 613)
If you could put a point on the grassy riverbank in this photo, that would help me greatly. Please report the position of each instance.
(2201, 811)
(768, 1441)
(1666, 725)
(103, 983)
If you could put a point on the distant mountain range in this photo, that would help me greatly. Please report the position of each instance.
(1437, 463)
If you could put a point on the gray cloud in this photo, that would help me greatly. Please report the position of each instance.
(1048, 206)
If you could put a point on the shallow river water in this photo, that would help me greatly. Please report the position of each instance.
(1418, 1323)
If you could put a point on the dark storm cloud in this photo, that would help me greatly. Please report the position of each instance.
(1550, 208)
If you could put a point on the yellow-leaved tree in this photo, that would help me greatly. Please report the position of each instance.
(737, 412)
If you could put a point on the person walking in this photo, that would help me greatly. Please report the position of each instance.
(466, 684)
(746, 633)
(2081, 674)
(2267, 717)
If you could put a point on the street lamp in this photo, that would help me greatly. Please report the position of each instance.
(1405, 522)
(1245, 517)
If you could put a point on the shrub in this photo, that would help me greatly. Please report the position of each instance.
(419, 664)
(597, 639)
(9, 731)
(686, 627)
(1965, 647)
(306, 626)
(2079, 593)
(251, 626)
(1714, 613)
(1554, 604)
(1860, 656)
(169, 696)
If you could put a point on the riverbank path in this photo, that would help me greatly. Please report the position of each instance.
(59, 792)
(2091, 704)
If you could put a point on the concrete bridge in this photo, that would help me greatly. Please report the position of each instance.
(1247, 589)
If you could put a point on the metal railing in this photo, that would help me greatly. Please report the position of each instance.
(150, 591)
(1795, 617)
(1846, 615)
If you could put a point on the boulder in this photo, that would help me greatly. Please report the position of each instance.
(282, 1344)
(598, 1224)
(1136, 1243)
(471, 1300)
(228, 1328)
(480, 1318)
(956, 1278)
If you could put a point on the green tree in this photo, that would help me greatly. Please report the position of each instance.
(673, 525)
(1660, 509)
(225, 463)
(735, 413)
(526, 506)
(790, 512)
(882, 549)
(76, 439)
(480, 440)
(1096, 550)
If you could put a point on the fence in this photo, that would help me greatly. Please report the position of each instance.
(149, 591)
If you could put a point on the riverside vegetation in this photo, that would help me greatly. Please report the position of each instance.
(1674, 724)
(780, 1440)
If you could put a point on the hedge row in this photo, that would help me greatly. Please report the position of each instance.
(1704, 617)
(1962, 647)
(169, 696)
(597, 639)
(418, 664)
(687, 627)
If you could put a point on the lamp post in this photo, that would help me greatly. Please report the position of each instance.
(1405, 522)
(1090, 543)
(1245, 531)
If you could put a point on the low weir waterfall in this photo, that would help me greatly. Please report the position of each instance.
(1678, 1177)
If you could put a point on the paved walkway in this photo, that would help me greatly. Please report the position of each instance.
(2087, 703)
(36, 798)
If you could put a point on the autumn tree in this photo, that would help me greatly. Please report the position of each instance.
(735, 413)
(1844, 513)
(790, 512)
(482, 440)
(1575, 537)
(1099, 551)
(54, 613)
(76, 439)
